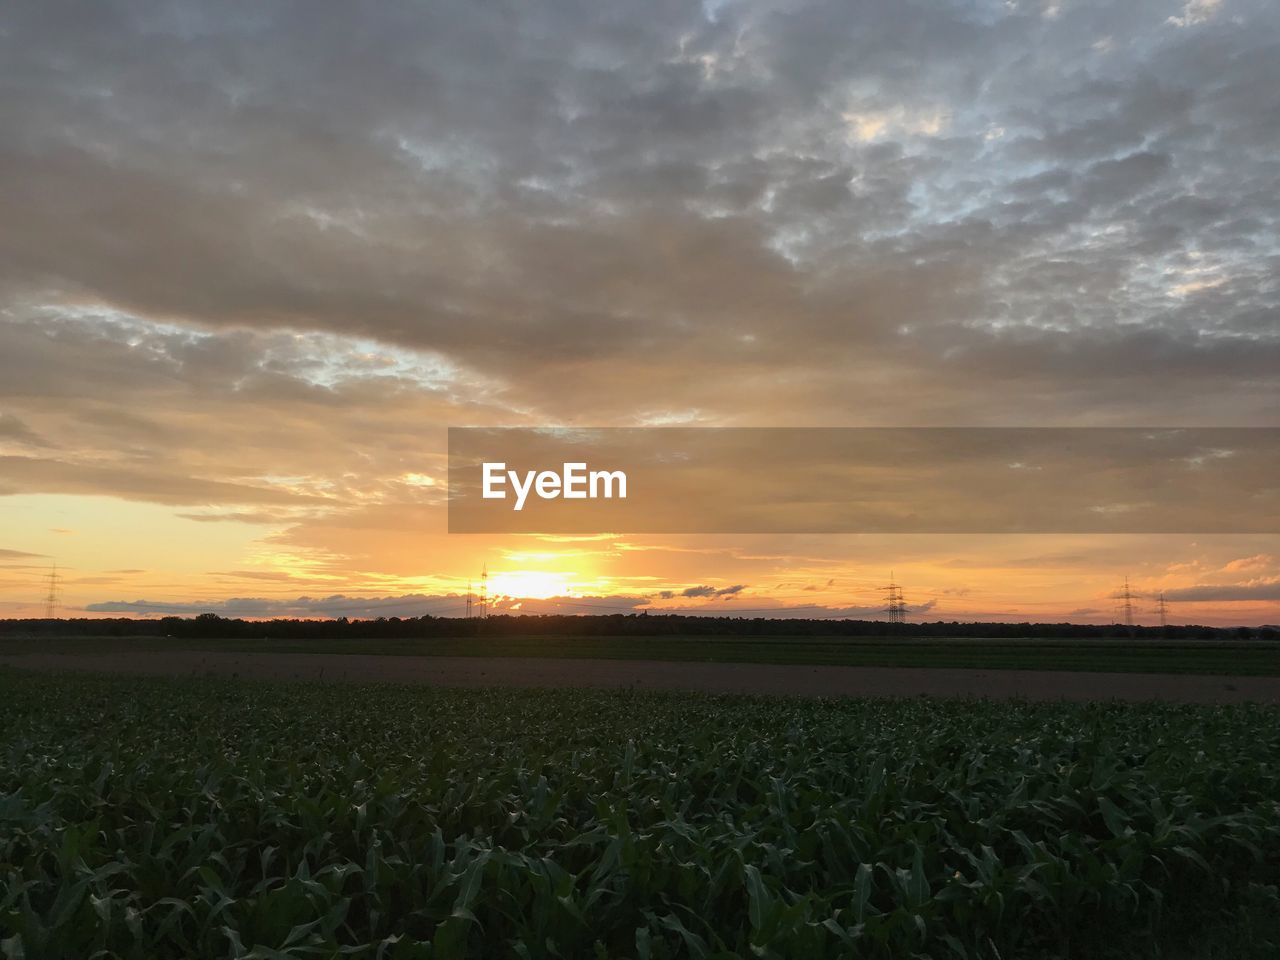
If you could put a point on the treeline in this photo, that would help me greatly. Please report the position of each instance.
(211, 626)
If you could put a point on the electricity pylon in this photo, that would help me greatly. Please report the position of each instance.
(897, 604)
(51, 600)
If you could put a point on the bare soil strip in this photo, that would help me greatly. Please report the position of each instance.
(825, 681)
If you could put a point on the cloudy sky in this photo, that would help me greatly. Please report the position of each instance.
(255, 259)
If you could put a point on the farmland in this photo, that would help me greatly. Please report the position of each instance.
(216, 817)
(1198, 657)
(694, 676)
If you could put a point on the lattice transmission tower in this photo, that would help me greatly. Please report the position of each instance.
(1162, 609)
(51, 598)
(896, 606)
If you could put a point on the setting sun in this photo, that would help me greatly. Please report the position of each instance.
(530, 584)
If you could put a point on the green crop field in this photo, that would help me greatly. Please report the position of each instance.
(222, 818)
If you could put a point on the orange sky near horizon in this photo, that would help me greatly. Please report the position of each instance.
(253, 265)
(107, 550)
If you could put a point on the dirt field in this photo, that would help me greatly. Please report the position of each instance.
(663, 675)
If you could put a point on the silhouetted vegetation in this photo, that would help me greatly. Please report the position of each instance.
(209, 626)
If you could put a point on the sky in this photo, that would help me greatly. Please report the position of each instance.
(256, 259)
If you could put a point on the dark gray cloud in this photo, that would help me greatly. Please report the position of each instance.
(704, 591)
(340, 605)
(417, 605)
(413, 605)
(1228, 592)
(372, 220)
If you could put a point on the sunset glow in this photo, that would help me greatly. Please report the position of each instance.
(246, 293)
(531, 584)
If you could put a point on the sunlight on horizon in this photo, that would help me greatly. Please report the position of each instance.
(531, 584)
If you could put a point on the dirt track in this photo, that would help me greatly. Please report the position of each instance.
(664, 675)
